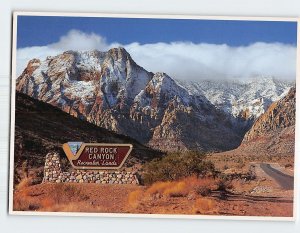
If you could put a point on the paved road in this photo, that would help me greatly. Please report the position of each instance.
(285, 181)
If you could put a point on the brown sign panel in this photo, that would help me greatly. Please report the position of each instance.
(97, 155)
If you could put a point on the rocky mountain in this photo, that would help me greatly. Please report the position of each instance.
(245, 100)
(272, 136)
(41, 128)
(279, 116)
(110, 90)
(185, 121)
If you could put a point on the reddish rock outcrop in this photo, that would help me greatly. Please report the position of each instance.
(279, 116)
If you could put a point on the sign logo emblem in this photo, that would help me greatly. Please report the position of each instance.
(74, 147)
(96, 155)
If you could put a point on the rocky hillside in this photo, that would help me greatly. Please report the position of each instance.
(272, 137)
(279, 116)
(110, 90)
(41, 128)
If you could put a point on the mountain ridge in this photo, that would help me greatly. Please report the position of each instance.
(110, 90)
(236, 97)
(272, 136)
(280, 115)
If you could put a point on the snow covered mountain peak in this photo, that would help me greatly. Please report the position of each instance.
(163, 84)
(245, 99)
(121, 77)
(110, 90)
(160, 90)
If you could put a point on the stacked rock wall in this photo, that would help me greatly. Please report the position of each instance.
(54, 174)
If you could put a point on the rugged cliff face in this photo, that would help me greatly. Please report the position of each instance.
(273, 134)
(110, 90)
(186, 122)
(279, 116)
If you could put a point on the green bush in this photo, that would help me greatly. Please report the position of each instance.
(175, 166)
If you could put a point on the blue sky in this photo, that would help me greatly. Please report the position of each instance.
(184, 49)
(42, 30)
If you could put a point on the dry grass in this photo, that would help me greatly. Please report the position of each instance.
(135, 197)
(27, 200)
(24, 202)
(178, 189)
(71, 197)
(173, 189)
(204, 206)
(170, 189)
(61, 189)
(181, 188)
(158, 199)
(24, 183)
(72, 207)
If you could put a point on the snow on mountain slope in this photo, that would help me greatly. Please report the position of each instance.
(121, 77)
(162, 88)
(110, 90)
(248, 99)
(90, 60)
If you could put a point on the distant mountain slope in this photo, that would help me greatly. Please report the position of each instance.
(246, 100)
(272, 136)
(40, 128)
(279, 116)
(110, 90)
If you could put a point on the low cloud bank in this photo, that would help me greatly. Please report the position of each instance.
(183, 60)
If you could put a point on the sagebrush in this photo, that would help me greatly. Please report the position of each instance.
(175, 166)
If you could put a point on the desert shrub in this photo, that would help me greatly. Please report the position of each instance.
(175, 166)
(288, 165)
(224, 183)
(203, 191)
(202, 186)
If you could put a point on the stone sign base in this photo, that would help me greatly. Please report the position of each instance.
(54, 174)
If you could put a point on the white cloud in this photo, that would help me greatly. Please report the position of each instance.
(183, 60)
(193, 61)
(74, 40)
(77, 40)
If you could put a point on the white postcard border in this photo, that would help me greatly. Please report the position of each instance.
(157, 16)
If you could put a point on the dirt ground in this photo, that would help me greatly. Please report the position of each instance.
(136, 199)
(73, 197)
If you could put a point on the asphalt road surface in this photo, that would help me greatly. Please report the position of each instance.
(285, 181)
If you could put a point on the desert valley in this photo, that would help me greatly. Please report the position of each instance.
(207, 147)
